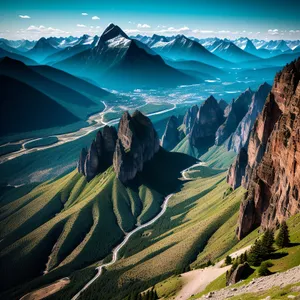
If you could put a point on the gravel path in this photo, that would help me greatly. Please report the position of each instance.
(258, 284)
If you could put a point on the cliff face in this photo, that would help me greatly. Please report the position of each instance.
(237, 169)
(208, 120)
(99, 155)
(273, 170)
(127, 150)
(137, 143)
(234, 113)
(240, 137)
(170, 137)
(189, 119)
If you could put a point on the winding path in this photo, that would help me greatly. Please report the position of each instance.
(119, 247)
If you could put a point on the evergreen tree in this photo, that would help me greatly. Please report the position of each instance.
(283, 238)
(267, 242)
(228, 260)
(245, 256)
(255, 256)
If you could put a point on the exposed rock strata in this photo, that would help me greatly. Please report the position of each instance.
(189, 119)
(273, 171)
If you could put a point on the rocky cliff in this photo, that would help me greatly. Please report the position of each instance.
(208, 120)
(170, 137)
(99, 155)
(234, 113)
(272, 174)
(137, 143)
(241, 135)
(189, 119)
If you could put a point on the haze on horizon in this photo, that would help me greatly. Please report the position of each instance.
(267, 19)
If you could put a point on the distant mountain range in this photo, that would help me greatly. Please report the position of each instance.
(119, 61)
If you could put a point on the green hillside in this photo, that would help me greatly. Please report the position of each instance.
(78, 223)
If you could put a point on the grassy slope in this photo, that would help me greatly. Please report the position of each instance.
(193, 217)
(77, 222)
(283, 260)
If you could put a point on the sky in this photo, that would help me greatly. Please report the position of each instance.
(263, 19)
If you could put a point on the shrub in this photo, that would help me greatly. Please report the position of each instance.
(283, 238)
(228, 260)
(264, 268)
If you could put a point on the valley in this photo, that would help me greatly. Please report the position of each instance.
(146, 167)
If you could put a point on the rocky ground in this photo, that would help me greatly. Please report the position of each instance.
(261, 284)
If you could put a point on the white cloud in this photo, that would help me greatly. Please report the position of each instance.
(97, 27)
(84, 14)
(202, 31)
(172, 30)
(45, 31)
(24, 17)
(95, 18)
(273, 31)
(81, 25)
(143, 26)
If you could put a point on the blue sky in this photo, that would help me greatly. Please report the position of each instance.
(203, 18)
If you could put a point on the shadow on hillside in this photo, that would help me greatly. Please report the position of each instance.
(278, 255)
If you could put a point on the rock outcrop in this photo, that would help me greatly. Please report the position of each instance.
(127, 150)
(137, 143)
(99, 156)
(240, 137)
(208, 120)
(170, 137)
(189, 119)
(242, 271)
(234, 113)
(236, 171)
(273, 171)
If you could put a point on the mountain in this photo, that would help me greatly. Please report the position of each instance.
(117, 61)
(81, 45)
(271, 173)
(205, 71)
(230, 52)
(209, 118)
(8, 48)
(25, 45)
(234, 113)
(41, 50)
(280, 45)
(183, 48)
(73, 82)
(240, 137)
(25, 60)
(38, 111)
(68, 97)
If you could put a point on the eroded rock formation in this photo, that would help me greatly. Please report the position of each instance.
(208, 120)
(170, 137)
(234, 113)
(273, 171)
(189, 119)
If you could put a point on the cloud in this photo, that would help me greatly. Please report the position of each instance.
(44, 30)
(95, 18)
(273, 31)
(143, 26)
(81, 25)
(202, 31)
(162, 31)
(24, 17)
(84, 14)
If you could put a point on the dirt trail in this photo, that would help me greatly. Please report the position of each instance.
(47, 290)
(196, 281)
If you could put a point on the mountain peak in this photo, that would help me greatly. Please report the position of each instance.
(112, 31)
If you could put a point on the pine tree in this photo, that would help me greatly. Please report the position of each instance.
(228, 260)
(267, 242)
(255, 256)
(245, 256)
(283, 238)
